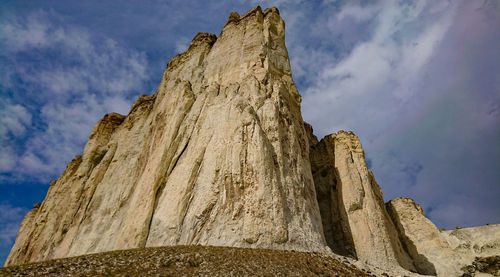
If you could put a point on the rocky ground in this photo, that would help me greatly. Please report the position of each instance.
(190, 261)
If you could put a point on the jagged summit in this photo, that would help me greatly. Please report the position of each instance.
(219, 155)
(234, 17)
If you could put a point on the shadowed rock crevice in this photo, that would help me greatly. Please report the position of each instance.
(337, 233)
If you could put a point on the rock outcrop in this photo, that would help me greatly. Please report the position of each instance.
(442, 253)
(219, 155)
(481, 241)
(422, 239)
(355, 220)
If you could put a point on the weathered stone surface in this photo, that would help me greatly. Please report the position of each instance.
(480, 241)
(441, 253)
(336, 228)
(474, 243)
(217, 156)
(351, 203)
(430, 252)
(483, 267)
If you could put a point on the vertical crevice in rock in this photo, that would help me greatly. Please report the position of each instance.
(169, 162)
(71, 230)
(347, 245)
(328, 190)
(188, 196)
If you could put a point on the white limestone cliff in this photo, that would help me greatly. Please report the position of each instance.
(220, 156)
(217, 156)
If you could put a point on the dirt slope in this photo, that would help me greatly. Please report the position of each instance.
(190, 261)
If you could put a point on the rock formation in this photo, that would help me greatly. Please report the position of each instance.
(217, 156)
(421, 238)
(436, 252)
(351, 203)
(220, 155)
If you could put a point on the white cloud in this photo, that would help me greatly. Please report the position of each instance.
(14, 120)
(273, 3)
(418, 83)
(87, 77)
(7, 159)
(383, 67)
(84, 63)
(23, 34)
(68, 128)
(358, 13)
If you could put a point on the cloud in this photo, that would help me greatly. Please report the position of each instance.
(403, 39)
(418, 83)
(14, 120)
(81, 62)
(448, 128)
(10, 223)
(62, 79)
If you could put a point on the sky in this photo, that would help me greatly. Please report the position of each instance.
(417, 81)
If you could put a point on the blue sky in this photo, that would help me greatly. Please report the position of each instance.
(418, 82)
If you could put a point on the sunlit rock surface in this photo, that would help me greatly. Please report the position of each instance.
(221, 156)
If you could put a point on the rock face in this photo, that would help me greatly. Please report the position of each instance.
(422, 239)
(481, 241)
(441, 253)
(217, 156)
(351, 203)
(221, 156)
